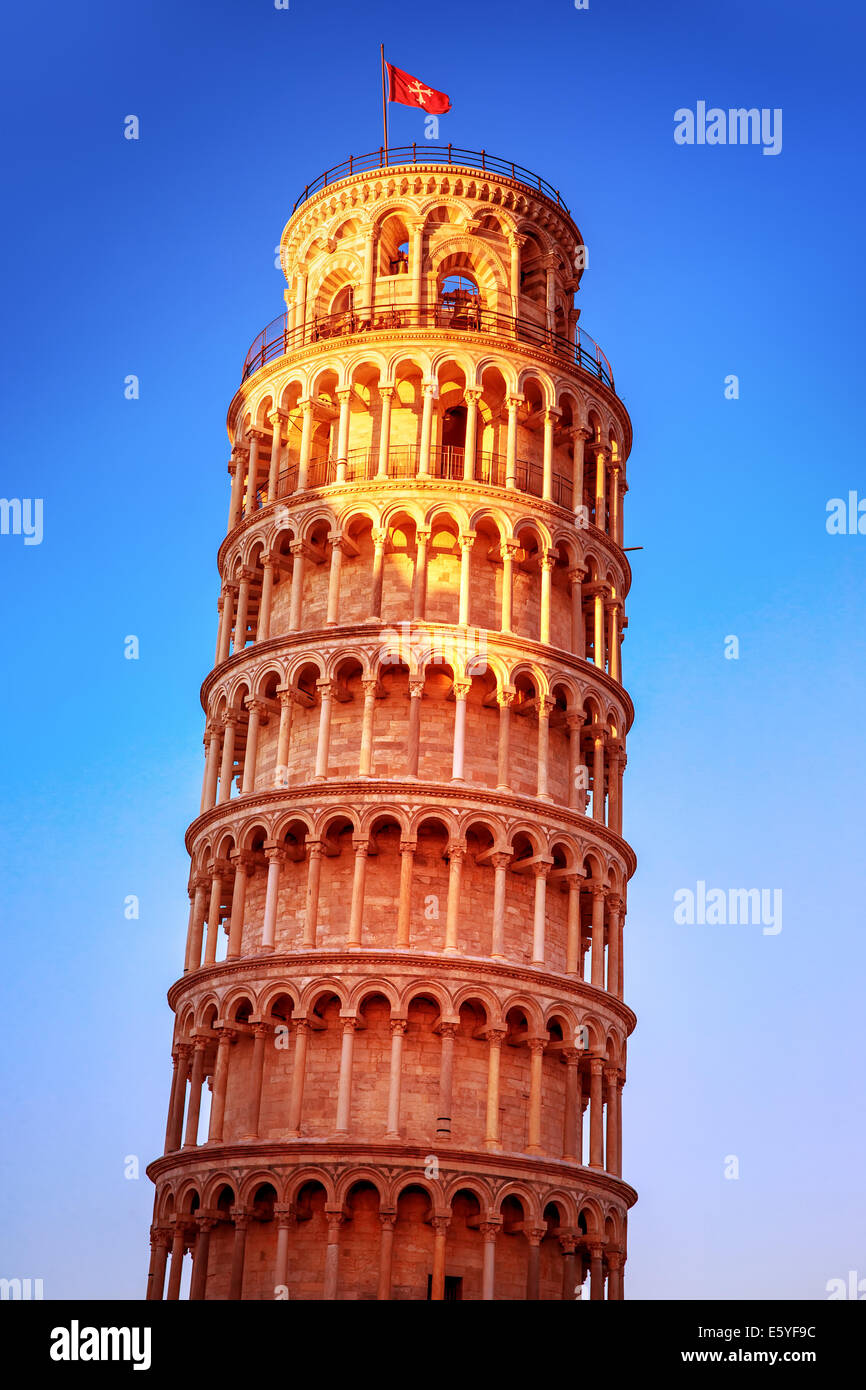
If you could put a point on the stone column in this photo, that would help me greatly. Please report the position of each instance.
(237, 469)
(461, 694)
(190, 1140)
(344, 397)
(299, 560)
(540, 907)
(494, 1040)
(419, 578)
(332, 1255)
(570, 1281)
(512, 403)
(504, 699)
(550, 419)
(437, 1281)
(488, 1270)
(211, 769)
(306, 443)
(548, 560)
(386, 1254)
(614, 1275)
(299, 1069)
(416, 693)
(258, 712)
(620, 1082)
(570, 1145)
(596, 592)
(236, 1279)
(616, 765)
(550, 293)
(500, 864)
(380, 535)
(534, 1235)
(300, 323)
(284, 734)
(577, 779)
(252, 476)
(218, 870)
(230, 725)
(371, 240)
(315, 849)
(177, 1104)
(514, 245)
(275, 857)
(572, 942)
(596, 1272)
(596, 1126)
(598, 897)
(398, 1033)
(198, 1283)
(407, 863)
(614, 945)
(447, 1032)
(244, 866)
(545, 705)
(612, 1145)
(263, 631)
(225, 634)
(472, 395)
(614, 499)
(612, 606)
(178, 1246)
(370, 687)
(221, 610)
(332, 615)
(160, 1242)
(578, 633)
(597, 733)
(466, 543)
(344, 1086)
(220, 1084)
(455, 872)
(359, 881)
(387, 395)
(276, 419)
(285, 1224)
(580, 436)
(536, 1064)
(326, 692)
(509, 552)
(256, 1078)
(430, 392)
(416, 258)
(600, 507)
(196, 923)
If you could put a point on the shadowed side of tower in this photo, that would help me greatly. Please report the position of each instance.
(400, 1034)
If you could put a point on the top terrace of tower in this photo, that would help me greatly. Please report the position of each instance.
(435, 238)
(450, 155)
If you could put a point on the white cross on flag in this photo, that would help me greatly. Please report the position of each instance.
(412, 92)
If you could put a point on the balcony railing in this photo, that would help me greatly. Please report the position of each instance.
(278, 339)
(431, 154)
(446, 461)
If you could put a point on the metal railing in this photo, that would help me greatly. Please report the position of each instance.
(446, 461)
(277, 338)
(431, 154)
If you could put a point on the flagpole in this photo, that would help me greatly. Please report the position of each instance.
(384, 106)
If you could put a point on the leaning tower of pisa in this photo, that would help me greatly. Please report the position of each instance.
(400, 1035)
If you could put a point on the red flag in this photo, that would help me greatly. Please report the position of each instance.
(412, 92)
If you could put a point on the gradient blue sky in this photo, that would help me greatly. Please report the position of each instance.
(157, 258)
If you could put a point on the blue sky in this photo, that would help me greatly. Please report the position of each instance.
(156, 258)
